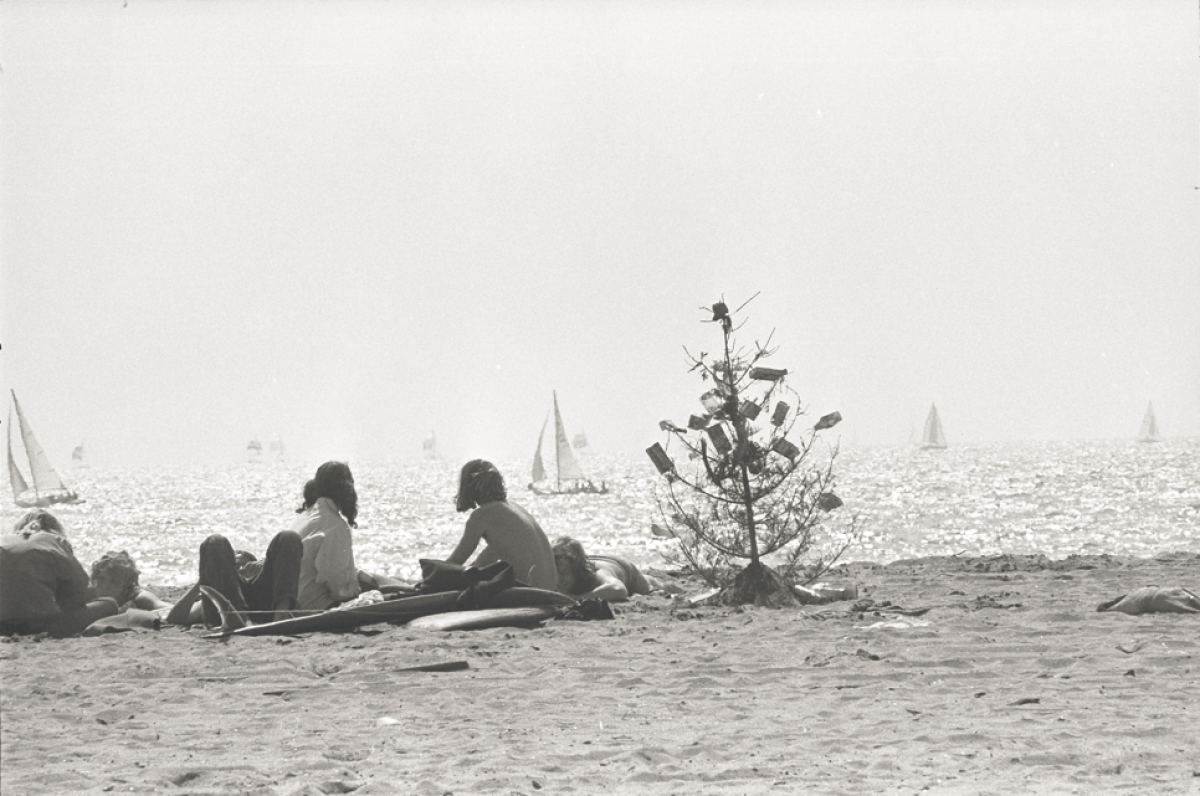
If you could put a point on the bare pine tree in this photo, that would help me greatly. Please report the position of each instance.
(750, 486)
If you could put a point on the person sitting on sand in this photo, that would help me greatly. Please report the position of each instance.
(601, 577)
(43, 587)
(511, 532)
(328, 575)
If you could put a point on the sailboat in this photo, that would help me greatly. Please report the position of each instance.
(277, 448)
(934, 437)
(1149, 430)
(77, 456)
(568, 477)
(48, 488)
(254, 451)
(429, 446)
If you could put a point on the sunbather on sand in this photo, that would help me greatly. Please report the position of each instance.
(43, 587)
(267, 587)
(115, 574)
(511, 532)
(609, 578)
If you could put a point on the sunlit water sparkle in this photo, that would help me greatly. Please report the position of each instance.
(1057, 499)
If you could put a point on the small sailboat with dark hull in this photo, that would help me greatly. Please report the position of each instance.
(568, 476)
(44, 487)
(934, 437)
(1149, 430)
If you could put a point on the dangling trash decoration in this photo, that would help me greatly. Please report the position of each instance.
(736, 497)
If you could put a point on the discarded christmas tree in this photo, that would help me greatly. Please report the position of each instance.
(749, 485)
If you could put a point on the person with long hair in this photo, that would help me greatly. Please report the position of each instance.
(328, 575)
(511, 532)
(602, 577)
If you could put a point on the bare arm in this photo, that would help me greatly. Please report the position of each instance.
(608, 588)
(472, 534)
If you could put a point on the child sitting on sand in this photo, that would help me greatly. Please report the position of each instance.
(511, 532)
(602, 577)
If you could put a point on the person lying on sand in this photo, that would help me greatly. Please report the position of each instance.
(267, 587)
(115, 574)
(511, 532)
(43, 587)
(602, 577)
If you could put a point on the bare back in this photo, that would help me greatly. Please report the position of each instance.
(512, 535)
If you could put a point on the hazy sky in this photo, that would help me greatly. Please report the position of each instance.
(353, 223)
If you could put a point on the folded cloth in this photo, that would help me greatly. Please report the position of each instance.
(1152, 599)
(133, 619)
(439, 576)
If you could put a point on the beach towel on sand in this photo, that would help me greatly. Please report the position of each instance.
(1152, 599)
(126, 621)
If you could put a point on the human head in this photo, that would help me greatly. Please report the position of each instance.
(478, 483)
(575, 569)
(36, 520)
(334, 481)
(115, 575)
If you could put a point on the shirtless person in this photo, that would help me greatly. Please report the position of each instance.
(609, 578)
(511, 532)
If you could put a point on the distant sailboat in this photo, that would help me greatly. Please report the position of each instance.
(934, 436)
(277, 448)
(1149, 430)
(48, 488)
(566, 465)
(429, 446)
(254, 450)
(77, 456)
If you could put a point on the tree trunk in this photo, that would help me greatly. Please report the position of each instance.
(758, 584)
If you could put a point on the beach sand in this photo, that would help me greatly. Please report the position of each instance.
(1009, 683)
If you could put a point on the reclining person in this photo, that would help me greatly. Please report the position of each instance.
(43, 587)
(601, 577)
(114, 573)
(267, 587)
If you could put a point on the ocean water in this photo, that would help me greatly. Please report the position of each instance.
(1057, 499)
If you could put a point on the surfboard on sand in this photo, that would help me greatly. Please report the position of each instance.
(400, 611)
(530, 616)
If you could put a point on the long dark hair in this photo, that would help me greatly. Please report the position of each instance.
(334, 481)
(478, 483)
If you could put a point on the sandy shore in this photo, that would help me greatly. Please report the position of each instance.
(1009, 683)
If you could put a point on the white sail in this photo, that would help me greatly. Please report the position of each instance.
(568, 467)
(1149, 430)
(19, 485)
(934, 436)
(539, 467)
(47, 486)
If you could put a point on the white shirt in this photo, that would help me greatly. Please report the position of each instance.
(328, 575)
